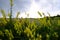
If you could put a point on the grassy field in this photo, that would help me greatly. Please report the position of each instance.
(47, 28)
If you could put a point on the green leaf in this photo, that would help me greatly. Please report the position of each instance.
(17, 14)
(11, 2)
(39, 13)
(3, 13)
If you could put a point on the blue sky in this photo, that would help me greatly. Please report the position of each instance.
(32, 6)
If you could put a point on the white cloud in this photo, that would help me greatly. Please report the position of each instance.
(44, 6)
